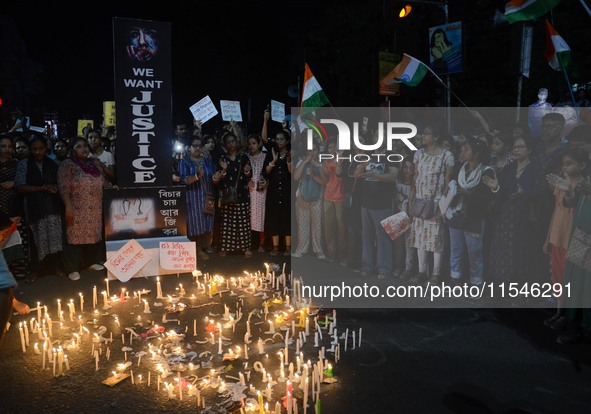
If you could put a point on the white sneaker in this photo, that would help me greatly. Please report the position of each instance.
(74, 276)
(321, 256)
(296, 254)
(96, 266)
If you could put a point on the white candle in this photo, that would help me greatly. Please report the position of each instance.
(27, 333)
(354, 341)
(346, 338)
(72, 310)
(220, 345)
(81, 302)
(245, 351)
(59, 307)
(20, 328)
(271, 328)
(94, 298)
(360, 330)
(316, 339)
(306, 395)
(307, 326)
(158, 288)
(146, 307)
(67, 362)
(241, 375)
(194, 327)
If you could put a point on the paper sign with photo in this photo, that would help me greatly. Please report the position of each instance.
(231, 111)
(203, 110)
(396, 225)
(277, 111)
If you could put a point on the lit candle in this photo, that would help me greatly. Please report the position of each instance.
(269, 392)
(260, 346)
(158, 288)
(20, 328)
(271, 327)
(181, 290)
(146, 307)
(81, 302)
(220, 344)
(72, 309)
(241, 375)
(194, 327)
(260, 399)
(94, 298)
(122, 299)
(59, 306)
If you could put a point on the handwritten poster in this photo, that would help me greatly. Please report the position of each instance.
(203, 110)
(277, 111)
(231, 111)
(128, 261)
(178, 256)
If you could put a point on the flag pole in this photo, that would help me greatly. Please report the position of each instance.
(449, 89)
(570, 88)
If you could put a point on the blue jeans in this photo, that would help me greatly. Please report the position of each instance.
(462, 244)
(373, 235)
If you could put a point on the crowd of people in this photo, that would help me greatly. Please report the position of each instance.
(516, 200)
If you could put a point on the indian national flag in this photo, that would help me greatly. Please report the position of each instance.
(520, 10)
(557, 51)
(409, 71)
(312, 96)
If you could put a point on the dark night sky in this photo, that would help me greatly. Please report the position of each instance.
(217, 49)
(255, 50)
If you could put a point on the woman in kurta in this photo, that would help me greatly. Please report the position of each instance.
(234, 171)
(196, 172)
(258, 190)
(80, 182)
(36, 179)
(433, 171)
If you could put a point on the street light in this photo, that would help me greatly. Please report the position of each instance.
(405, 11)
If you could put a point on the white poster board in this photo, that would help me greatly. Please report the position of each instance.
(231, 111)
(277, 111)
(203, 110)
(178, 256)
(127, 261)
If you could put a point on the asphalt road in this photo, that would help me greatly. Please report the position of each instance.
(410, 361)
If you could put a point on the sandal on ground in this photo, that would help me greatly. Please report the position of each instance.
(434, 279)
(275, 251)
(248, 254)
(32, 277)
(418, 279)
(569, 339)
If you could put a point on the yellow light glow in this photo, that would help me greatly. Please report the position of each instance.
(405, 11)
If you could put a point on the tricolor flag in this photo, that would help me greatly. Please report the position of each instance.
(312, 95)
(520, 10)
(557, 51)
(409, 71)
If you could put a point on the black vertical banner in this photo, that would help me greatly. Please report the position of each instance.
(143, 96)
